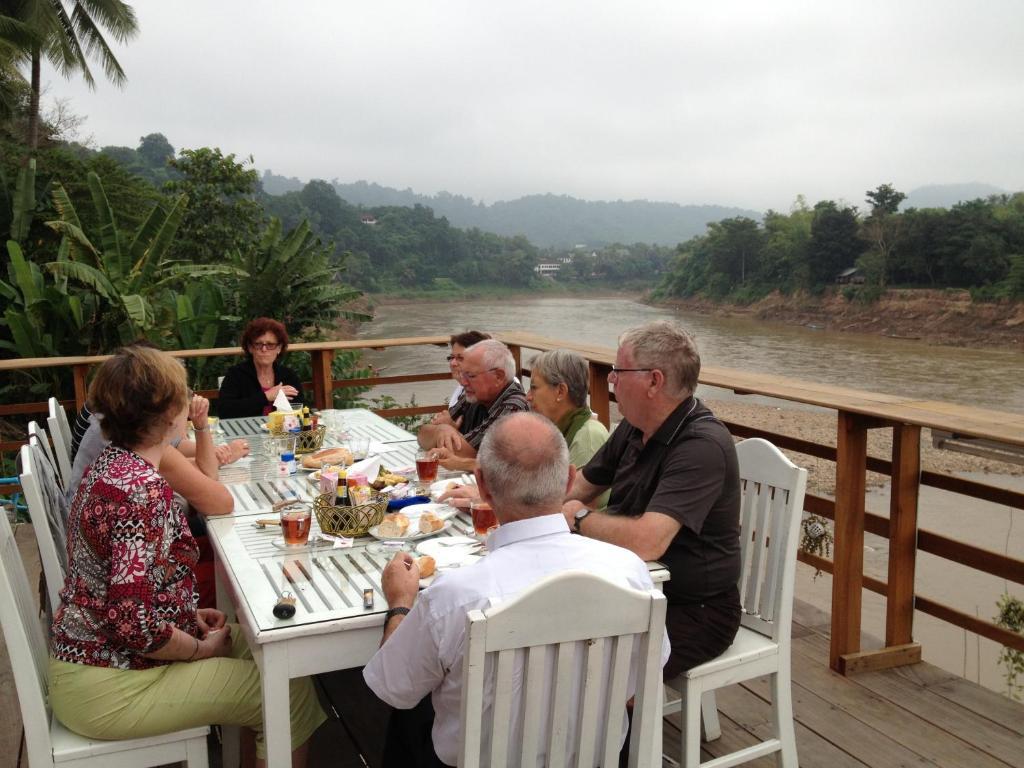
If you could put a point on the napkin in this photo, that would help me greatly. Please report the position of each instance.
(281, 402)
(369, 466)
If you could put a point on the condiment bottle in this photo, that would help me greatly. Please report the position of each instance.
(342, 498)
(289, 459)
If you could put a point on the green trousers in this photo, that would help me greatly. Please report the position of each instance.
(104, 703)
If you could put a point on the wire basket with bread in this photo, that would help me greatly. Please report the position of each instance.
(353, 520)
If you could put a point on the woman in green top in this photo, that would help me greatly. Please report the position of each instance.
(558, 391)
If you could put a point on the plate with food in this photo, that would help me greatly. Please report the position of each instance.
(400, 527)
(445, 553)
(415, 511)
(327, 456)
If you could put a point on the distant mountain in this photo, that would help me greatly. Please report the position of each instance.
(948, 195)
(545, 220)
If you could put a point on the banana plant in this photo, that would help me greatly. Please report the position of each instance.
(291, 277)
(40, 319)
(133, 276)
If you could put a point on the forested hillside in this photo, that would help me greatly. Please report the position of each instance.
(977, 245)
(548, 221)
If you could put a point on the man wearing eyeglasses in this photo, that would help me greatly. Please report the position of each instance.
(675, 492)
(490, 391)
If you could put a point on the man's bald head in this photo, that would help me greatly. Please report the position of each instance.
(525, 465)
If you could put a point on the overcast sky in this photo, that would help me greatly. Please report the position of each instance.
(734, 103)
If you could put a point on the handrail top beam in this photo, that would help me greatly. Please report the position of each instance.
(966, 420)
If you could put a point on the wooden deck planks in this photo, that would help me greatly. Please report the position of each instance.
(889, 717)
(915, 716)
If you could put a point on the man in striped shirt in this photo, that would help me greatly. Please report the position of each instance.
(490, 392)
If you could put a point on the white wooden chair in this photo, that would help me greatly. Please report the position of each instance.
(60, 433)
(574, 641)
(35, 430)
(773, 501)
(48, 742)
(44, 497)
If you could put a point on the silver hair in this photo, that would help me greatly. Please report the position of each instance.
(669, 349)
(496, 355)
(560, 366)
(522, 475)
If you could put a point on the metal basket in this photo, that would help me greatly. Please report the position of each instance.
(349, 521)
(305, 442)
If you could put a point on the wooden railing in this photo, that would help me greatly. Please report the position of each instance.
(857, 413)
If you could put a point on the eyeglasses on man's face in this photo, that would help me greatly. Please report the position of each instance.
(616, 371)
(471, 376)
(266, 346)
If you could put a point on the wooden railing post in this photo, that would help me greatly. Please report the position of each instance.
(599, 401)
(906, 479)
(848, 576)
(517, 356)
(323, 379)
(80, 371)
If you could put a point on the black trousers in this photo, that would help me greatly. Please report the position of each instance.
(699, 632)
(408, 742)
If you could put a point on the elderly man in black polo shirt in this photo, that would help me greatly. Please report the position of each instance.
(490, 391)
(675, 492)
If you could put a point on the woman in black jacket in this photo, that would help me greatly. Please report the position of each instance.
(249, 388)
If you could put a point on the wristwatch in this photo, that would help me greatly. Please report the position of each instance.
(578, 518)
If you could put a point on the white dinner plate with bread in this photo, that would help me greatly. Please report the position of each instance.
(400, 526)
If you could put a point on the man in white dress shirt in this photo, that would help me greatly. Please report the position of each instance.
(524, 473)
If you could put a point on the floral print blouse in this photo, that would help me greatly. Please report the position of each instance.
(131, 560)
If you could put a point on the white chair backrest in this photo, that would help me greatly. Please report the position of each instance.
(46, 508)
(37, 432)
(773, 501)
(26, 644)
(60, 433)
(570, 643)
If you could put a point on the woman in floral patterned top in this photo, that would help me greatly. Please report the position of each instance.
(131, 654)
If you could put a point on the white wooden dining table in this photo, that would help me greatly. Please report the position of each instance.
(335, 626)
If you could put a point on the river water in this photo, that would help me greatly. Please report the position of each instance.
(991, 378)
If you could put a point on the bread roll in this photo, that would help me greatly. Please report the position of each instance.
(430, 522)
(394, 526)
(342, 456)
(427, 566)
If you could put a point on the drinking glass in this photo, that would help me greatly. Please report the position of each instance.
(484, 519)
(360, 447)
(426, 468)
(295, 524)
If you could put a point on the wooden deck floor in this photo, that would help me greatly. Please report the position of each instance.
(914, 716)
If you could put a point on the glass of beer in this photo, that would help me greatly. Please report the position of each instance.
(426, 467)
(295, 524)
(484, 520)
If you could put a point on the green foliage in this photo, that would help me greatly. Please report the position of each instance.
(133, 278)
(1011, 616)
(291, 277)
(974, 245)
(223, 214)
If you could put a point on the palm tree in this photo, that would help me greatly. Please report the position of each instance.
(15, 39)
(68, 33)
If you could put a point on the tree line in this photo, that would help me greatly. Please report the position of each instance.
(978, 244)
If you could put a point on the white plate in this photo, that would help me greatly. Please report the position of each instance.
(414, 536)
(413, 511)
(462, 551)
